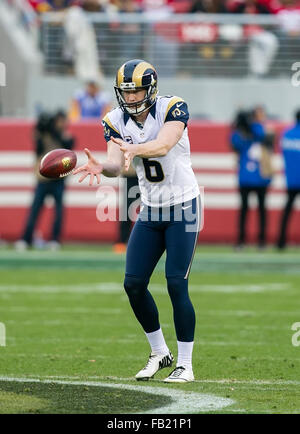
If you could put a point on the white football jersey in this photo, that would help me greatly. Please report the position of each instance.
(163, 181)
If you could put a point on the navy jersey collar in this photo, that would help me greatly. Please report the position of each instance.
(126, 117)
(152, 111)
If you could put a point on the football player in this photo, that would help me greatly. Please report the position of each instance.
(151, 132)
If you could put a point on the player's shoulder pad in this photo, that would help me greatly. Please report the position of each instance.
(176, 110)
(110, 124)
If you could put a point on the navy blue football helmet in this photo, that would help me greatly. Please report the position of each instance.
(136, 74)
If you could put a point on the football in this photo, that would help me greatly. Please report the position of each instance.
(58, 163)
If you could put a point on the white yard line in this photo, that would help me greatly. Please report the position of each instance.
(225, 381)
(221, 381)
(182, 401)
(252, 382)
(128, 341)
(225, 257)
(117, 287)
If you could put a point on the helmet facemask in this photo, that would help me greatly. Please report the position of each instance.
(136, 108)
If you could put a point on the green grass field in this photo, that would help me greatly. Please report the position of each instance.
(73, 344)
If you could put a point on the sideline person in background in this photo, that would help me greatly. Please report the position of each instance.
(248, 139)
(290, 146)
(130, 34)
(90, 102)
(259, 116)
(50, 133)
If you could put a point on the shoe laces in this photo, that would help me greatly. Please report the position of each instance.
(177, 371)
(150, 360)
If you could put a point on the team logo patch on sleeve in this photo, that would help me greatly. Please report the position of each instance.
(177, 110)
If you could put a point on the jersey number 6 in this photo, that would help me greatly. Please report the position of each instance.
(153, 170)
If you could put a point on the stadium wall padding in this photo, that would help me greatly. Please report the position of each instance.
(214, 163)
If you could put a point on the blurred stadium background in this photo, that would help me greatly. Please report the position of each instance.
(218, 60)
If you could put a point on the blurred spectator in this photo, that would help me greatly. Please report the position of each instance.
(247, 139)
(80, 42)
(289, 17)
(263, 44)
(40, 5)
(273, 6)
(94, 5)
(90, 102)
(164, 6)
(129, 6)
(163, 48)
(50, 5)
(157, 8)
(209, 6)
(130, 33)
(263, 47)
(290, 146)
(249, 7)
(50, 133)
(259, 116)
(181, 6)
(59, 5)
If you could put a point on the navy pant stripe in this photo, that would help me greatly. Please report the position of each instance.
(196, 237)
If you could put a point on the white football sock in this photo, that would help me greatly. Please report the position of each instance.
(157, 342)
(185, 350)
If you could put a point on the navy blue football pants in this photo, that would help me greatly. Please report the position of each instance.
(43, 189)
(174, 230)
(291, 193)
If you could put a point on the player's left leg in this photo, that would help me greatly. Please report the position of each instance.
(261, 195)
(37, 204)
(57, 190)
(281, 242)
(243, 213)
(145, 247)
(181, 239)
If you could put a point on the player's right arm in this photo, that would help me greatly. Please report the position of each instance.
(114, 163)
(111, 167)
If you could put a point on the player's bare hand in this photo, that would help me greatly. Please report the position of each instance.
(92, 168)
(129, 150)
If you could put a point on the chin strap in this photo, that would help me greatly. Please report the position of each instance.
(136, 113)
